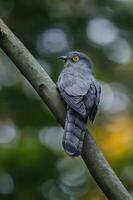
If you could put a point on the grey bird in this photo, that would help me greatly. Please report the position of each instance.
(81, 92)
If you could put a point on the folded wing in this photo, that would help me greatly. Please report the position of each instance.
(81, 93)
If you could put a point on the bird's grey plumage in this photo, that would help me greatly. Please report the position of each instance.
(81, 92)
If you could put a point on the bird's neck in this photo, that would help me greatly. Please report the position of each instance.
(82, 68)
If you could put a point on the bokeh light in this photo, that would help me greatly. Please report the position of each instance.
(6, 184)
(51, 191)
(8, 74)
(8, 132)
(73, 176)
(53, 40)
(119, 51)
(51, 137)
(101, 31)
(114, 98)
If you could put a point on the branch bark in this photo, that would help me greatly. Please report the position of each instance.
(46, 89)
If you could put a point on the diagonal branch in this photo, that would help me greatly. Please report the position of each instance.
(46, 89)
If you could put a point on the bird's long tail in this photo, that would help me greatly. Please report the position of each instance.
(74, 133)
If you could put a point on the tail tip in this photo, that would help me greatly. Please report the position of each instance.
(71, 150)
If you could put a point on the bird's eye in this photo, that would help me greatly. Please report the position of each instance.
(75, 59)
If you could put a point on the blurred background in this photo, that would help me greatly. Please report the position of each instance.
(33, 164)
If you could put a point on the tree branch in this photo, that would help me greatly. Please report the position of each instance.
(41, 82)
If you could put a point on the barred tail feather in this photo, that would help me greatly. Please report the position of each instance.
(74, 133)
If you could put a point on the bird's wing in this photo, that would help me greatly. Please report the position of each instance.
(75, 83)
(72, 89)
(92, 98)
(75, 102)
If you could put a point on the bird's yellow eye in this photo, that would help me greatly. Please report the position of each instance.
(75, 59)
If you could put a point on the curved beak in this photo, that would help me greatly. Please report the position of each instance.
(63, 58)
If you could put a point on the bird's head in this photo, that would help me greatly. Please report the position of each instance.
(75, 58)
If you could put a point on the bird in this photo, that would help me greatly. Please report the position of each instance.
(81, 93)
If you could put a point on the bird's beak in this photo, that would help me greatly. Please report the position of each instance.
(63, 58)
